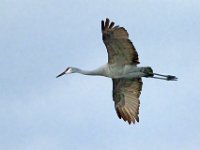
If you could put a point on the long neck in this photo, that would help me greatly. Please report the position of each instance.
(96, 72)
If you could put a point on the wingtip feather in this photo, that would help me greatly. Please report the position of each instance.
(107, 23)
(111, 25)
(102, 25)
(124, 114)
(137, 119)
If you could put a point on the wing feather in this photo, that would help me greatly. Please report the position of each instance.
(119, 47)
(126, 94)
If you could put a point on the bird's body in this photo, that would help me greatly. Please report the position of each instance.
(123, 70)
(116, 71)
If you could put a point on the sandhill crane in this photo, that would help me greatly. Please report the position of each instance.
(122, 69)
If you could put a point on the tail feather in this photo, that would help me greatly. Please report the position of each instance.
(148, 71)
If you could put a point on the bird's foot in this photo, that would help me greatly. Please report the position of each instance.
(171, 78)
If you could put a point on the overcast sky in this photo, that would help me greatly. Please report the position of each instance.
(40, 38)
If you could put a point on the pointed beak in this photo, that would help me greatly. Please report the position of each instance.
(60, 74)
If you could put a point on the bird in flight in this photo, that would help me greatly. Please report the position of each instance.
(123, 70)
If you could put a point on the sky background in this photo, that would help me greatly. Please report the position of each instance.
(40, 38)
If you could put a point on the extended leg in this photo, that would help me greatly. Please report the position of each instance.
(164, 77)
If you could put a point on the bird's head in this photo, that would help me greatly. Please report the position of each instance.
(67, 71)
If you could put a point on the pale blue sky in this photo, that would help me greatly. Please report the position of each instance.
(40, 38)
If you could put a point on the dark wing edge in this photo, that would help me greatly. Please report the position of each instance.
(116, 40)
(126, 94)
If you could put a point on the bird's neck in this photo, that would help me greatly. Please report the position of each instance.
(96, 72)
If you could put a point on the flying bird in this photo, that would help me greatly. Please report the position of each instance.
(123, 70)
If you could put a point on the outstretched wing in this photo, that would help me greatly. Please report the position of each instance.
(126, 94)
(119, 47)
